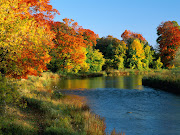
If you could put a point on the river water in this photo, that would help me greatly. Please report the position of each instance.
(127, 105)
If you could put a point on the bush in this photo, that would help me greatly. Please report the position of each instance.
(57, 95)
(53, 130)
(8, 93)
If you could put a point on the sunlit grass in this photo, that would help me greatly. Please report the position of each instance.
(82, 75)
(127, 72)
(18, 122)
(47, 111)
(168, 80)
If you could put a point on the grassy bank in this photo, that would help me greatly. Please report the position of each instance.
(126, 72)
(168, 80)
(46, 111)
(109, 72)
(81, 75)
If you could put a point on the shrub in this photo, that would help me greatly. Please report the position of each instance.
(8, 93)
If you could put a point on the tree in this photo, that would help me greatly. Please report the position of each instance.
(113, 49)
(139, 52)
(24, 41)
(70, 47)
(40, 10)
(94, 59)
(129, 36)
(176, 61)
(90, 37)
(105, 45)
(169, 40)
(135, 54)
(149, 54)
(157, 64)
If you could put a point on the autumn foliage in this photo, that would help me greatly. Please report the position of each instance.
(127, 34)
(71, 43)
(69, 46)
(30, 39)
(169, 40)
(25, 38)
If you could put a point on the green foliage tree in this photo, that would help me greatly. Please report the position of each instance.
(108, 65)
(113, 49)
(119, 62)
(176, 61)
(149, 56)
(95, 59)
(157, 64)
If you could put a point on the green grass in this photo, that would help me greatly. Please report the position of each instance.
(168, 80)
(46, 111)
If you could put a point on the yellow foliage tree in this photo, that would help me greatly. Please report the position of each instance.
(24, 43)
(136, 54)
(138, 48)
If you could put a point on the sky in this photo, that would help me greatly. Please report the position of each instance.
(113, 17)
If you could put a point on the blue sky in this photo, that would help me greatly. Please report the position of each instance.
(113, 17)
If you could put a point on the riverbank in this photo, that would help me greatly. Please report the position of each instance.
(126, 72)
(81, 75)
(167, 80)
(112, 72)
(164, 79)
(43, 110)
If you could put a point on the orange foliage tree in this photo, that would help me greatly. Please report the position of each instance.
(90, 37)
(70, 47)
(169, 40)
(25, 38)
(129, 36)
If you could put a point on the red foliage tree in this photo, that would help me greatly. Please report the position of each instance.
(169, 40)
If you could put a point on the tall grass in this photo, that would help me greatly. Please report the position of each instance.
(168, 80)
(126, 72)
(82, 75)
(47, 111)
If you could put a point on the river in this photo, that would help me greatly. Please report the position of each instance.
(127, 105)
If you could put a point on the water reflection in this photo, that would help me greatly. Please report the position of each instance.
(133, 111)
(121, 82)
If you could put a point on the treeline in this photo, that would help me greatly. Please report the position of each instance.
(31, 42)
(132, 52)
(81, 50)
(95, 54)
